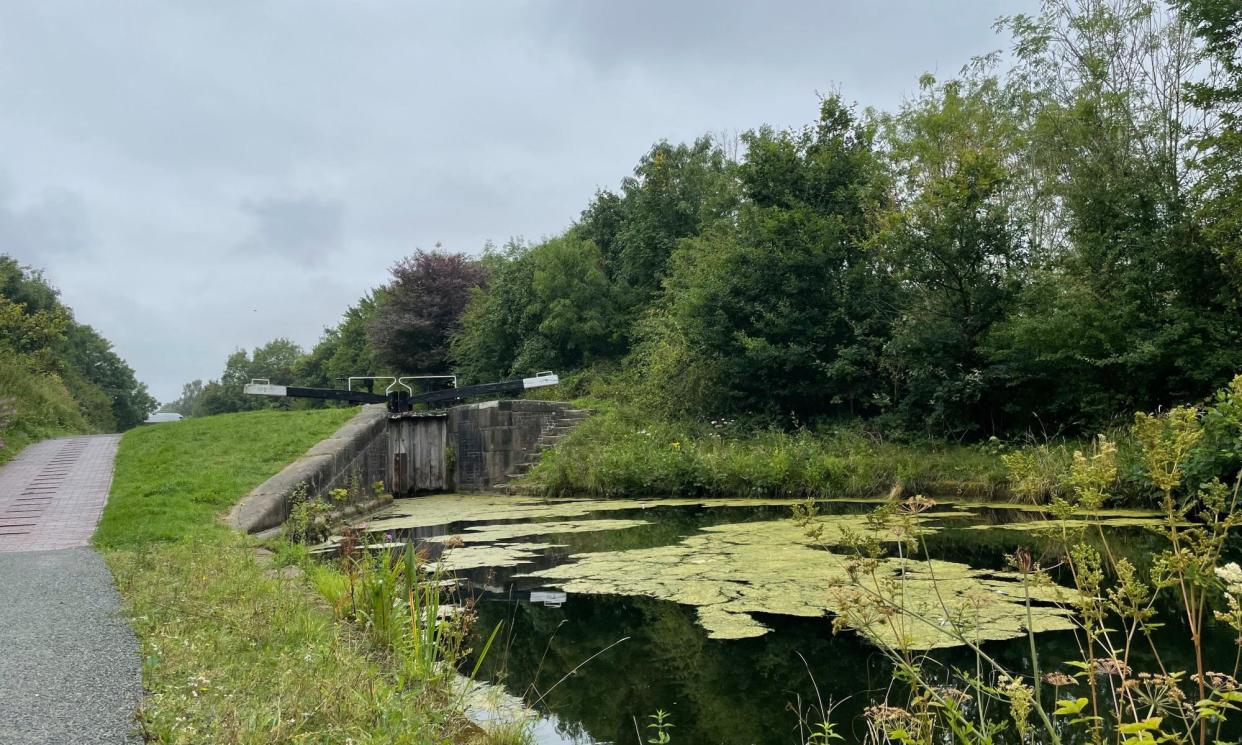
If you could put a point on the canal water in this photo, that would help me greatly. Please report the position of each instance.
(719, 616)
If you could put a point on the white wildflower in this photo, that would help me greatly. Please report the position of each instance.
(1231, 575)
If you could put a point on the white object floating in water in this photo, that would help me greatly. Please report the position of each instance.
(548, 598)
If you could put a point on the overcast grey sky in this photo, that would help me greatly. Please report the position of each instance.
(198, 176)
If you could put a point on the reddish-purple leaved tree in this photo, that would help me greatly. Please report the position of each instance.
(421, 308)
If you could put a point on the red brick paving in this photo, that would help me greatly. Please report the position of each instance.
(52, 494)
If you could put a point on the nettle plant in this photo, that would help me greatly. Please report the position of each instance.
(1099, 697)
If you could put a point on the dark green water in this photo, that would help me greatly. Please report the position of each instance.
(746, 691)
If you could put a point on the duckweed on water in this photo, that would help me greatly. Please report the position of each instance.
(1073, 524)
(495, 533)
(732, 574)
(495, 555)
(426, 512)
(729, 573)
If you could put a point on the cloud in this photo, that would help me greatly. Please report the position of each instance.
(853, 42)
(250, 168)
(305, 230)
(53, 225)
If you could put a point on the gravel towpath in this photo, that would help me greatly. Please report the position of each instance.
(69, 666)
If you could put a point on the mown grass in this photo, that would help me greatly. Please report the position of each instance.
(172, 480)
(619, 453)
(232, 653)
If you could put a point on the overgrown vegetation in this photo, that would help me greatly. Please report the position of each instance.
(405, 604)
(618, 452)
(57, 376)
(234, 655)
(1023, 248)
(1101, 696)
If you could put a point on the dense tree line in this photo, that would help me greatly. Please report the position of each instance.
(1042, 244)
(58, 376)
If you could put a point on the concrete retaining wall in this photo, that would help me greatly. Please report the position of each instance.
(490, 439)
(354, 458)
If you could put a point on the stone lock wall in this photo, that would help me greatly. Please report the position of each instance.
(471, 448)
(489, 439)
(356, 455)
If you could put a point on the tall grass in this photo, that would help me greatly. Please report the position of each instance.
(234, 655)
(34, 405)
(1112, 691)
(619, 453)
(406, 605)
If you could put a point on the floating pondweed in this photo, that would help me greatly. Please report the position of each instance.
(731, 572)
(494, 533)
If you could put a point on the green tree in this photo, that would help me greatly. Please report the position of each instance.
(343, 350)
(675, 192)
(777, 312)
(90, 363)
(497, 321)
(1218, 24)
(185, 404)
(951, 240)
(35, 325)
(578, 318)
(30, 333)
(274, 361)
(1128, 308)
(549, 306)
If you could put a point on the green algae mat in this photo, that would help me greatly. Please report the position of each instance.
(730, 572)
(735, 561)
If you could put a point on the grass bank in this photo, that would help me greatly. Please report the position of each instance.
(233, 652)
(174, 479)
(624, 451)
(34, 405)
(621, 453)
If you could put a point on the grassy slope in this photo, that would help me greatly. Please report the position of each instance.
(33, 406)
(232, 654)
(173, 479)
